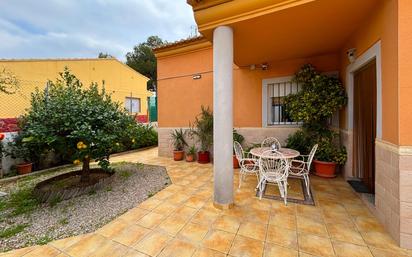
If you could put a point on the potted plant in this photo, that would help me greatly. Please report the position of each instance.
(202, 128)
(179, 142)
(19, 149)
(190, 154)
(236, 138)
(314, 105)
(329, 155)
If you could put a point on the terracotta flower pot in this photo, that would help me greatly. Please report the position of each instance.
(203, 157)
(178, 155)
(190, 157)
(325, 169)
(24, 168)
(235, 162)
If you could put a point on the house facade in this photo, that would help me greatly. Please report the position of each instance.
(242, 64)
(126, 85)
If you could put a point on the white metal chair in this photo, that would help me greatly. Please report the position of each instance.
(268, 142)
(274, 170)
(301, 168)
(247, 165)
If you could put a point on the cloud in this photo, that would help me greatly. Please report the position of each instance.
(83, 28)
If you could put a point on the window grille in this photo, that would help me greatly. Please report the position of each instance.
(276, 108)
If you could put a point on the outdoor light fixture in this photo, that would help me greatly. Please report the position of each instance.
(351, 54)
(264, 66)
(197, 76)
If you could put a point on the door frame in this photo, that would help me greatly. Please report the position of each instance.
(373, 52)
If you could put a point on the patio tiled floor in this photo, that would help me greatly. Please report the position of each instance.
(181, 221)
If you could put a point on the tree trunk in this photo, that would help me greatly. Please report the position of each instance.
(85, 177)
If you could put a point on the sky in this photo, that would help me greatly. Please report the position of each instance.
(83, 28)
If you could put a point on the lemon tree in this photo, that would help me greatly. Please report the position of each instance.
(83, 124)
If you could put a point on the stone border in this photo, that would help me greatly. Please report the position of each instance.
(51, 195)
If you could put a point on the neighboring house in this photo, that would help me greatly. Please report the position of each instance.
(126, 85)
(245, 58)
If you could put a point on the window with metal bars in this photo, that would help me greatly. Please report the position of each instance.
(276, 109)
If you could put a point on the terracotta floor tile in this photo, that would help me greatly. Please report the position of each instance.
(87, 245)
(280, 208)
(133, 215)
(185, 211)
(253, 230)
(178, 248)
(177, 198)
(43, 251)
(311, 226)
(151, 220)
(308, 211)
(338, 218)
(131, 235)
(379, 240)
(67, 242)
(282, 236)
(218, 240)
(193, 232)
(272, 250)
(150, 204)
(113, 228)
(283, 220)
(172, 225)
(204, 252)
(227, 223)
(350, 250)
(162, 195)
(153, 243)
(165, 208)
(388, 253)
(205, 217)
(195, 202)
(134, 253)
(344, 233)
(259, 216)
(246, 247)
(315, 245)
(368, 224)
(110, 249)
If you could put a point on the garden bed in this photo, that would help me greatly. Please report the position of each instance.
(25, 221)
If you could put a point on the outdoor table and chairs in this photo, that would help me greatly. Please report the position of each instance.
(272, 164)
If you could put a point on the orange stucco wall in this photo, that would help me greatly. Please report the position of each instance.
(381, 24)
(180, 97)
(405, 77)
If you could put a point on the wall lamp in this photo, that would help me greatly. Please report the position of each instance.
(197, 76)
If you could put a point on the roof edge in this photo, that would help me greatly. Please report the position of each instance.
(182, 46)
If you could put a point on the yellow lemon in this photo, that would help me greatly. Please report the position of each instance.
(77, 162)
(80, 145)
(133, 140)
(117, 144)
(84, 146)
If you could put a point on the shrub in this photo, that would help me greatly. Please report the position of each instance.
(321, 96)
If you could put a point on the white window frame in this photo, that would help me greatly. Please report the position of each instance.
(131, 99)
(265, 103)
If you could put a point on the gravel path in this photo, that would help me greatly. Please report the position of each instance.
(132, 184)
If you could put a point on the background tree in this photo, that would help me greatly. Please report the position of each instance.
(143, 60)
(105, 55)
(9, 83)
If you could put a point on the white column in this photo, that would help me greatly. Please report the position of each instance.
(223, 116)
